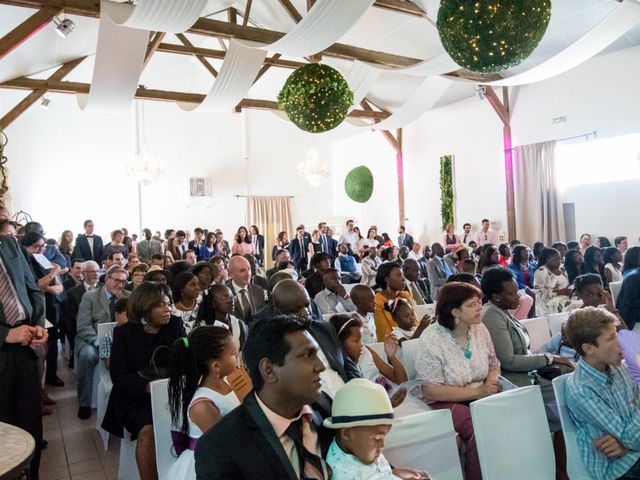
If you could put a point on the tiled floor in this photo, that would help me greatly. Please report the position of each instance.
(75, 449)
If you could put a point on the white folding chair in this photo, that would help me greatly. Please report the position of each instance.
(409, 349)
(556, 320)
(349, 286)
(422, 310)
(162, 427)
(426, 441)
(127, 465)
(615, 288)
(519, 416)
(327, 316)
(575, 467)
(539, 334)
(102, 386)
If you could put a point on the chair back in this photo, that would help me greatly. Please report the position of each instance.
(430, 432)
(422, 310)
(409, 350)
(575, 467)
(519, 416)
(630, 343)
(556, 320)
(539, 334)
(165, 455)
(379, 349)
(615, 288)
(104, 328)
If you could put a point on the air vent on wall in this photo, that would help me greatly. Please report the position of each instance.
(200, 187)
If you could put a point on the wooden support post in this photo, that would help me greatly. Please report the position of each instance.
(185, 41)
(247, 11)
(502, 109)
(291, 10)
(156, 39)
(400, 170)
(27, 29)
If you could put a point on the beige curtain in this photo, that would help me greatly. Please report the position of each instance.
(272, 215)
(538, 206)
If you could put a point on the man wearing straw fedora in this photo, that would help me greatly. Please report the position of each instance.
(362, 415)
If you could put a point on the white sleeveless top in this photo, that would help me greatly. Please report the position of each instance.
(224, 403)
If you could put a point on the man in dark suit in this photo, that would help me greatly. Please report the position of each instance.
(196, 243)
(88, 245)
(629, 299)
(283, 257)
(274, 434)
(97, 306)
(255, 278)
(89, 271)
(249, 298)
(416, 286)
(22, 317)
(333, 244)
(404, 239)
(257, 240)
(299, 248)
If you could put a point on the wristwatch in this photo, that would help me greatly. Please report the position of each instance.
(549, 358)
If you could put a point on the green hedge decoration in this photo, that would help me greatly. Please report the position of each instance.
(487, 36)
(359, 184)
(316, 98)
(446, 190)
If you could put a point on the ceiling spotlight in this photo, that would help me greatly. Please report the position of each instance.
(44, 103)
(63, 27)
(480, 92)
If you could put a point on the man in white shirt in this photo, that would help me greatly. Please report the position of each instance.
(415, 251)
(484, 235)
(349, 237)
(334, 297)
(249, 297)
(466, 234)
(181, 243)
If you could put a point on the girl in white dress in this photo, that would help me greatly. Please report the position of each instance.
(199, 396)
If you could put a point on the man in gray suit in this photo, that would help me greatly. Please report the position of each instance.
(96, 307)
(249, 297)
(22, 317)
(148, 247)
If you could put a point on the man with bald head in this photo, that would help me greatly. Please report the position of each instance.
(291, 298)
(249, 297)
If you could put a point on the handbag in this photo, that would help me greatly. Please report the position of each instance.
(158, 368)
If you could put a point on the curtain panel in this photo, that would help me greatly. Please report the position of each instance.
(272, 215)
(538, 205)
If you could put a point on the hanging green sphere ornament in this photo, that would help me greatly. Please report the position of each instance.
(316, 98)
(487, 36)
(359, 184)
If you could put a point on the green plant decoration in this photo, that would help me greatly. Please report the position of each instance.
(359, 184)
(446, 190)
(316, 98)
(487, 36)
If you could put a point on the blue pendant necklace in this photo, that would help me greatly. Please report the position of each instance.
(466, 350)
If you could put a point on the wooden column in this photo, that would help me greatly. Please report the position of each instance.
(502, 109)
(400, 171)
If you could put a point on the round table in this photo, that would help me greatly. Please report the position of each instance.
(17, 450)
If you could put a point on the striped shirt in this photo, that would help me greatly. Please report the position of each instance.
(600, 404)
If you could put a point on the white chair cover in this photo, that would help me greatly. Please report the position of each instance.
(409, 349)
(426, 441)
(575, 467)
(379, 349)
(517, 417)
(127, 466)
(556, 320)
(162, 427)
(615, 288)
(539, 333)
(103, 386)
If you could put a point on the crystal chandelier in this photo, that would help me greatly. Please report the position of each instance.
(142, 166)
(311, 170)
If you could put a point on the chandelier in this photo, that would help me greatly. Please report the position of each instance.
(311, 170)
(142, 166)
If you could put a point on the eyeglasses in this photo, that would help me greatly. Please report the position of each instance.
(473, 305)
(119, 281)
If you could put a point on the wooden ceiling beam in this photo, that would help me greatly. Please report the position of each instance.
(24, 83)
(36, 95)
(497, 105)
(400, 6)
(291, 10)
(265, 67)
(217, 28)
(154, 43)
(247, 11)
(27, 29)
(185, 41)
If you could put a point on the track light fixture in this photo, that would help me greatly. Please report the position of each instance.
(480, 92)
(44, 103)
(64, 27)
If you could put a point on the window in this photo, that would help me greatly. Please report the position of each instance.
(599, 161)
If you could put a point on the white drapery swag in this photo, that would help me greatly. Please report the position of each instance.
(272, 215)
(538, 207)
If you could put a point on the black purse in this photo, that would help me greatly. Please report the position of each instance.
(158, 367)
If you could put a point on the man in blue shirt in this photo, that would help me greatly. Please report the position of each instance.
(602, 398)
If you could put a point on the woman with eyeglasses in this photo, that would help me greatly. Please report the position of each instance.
(140, 355)
(456, 360)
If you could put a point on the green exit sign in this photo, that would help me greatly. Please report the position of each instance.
(557, 120)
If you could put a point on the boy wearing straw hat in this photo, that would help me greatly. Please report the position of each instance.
(362, 415)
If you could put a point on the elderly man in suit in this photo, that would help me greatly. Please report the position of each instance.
(22, 317)
(404, 239)
(275, 434)
(97, 306)
(88, 245)
(89, 271)
(249, 297)
(437, 271)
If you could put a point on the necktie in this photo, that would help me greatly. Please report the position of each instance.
(324, 244)
(415, 293)
(301, 248)
(112, 307)
(464, 240)
(244, 302)
(310, 463)
(8, 300)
